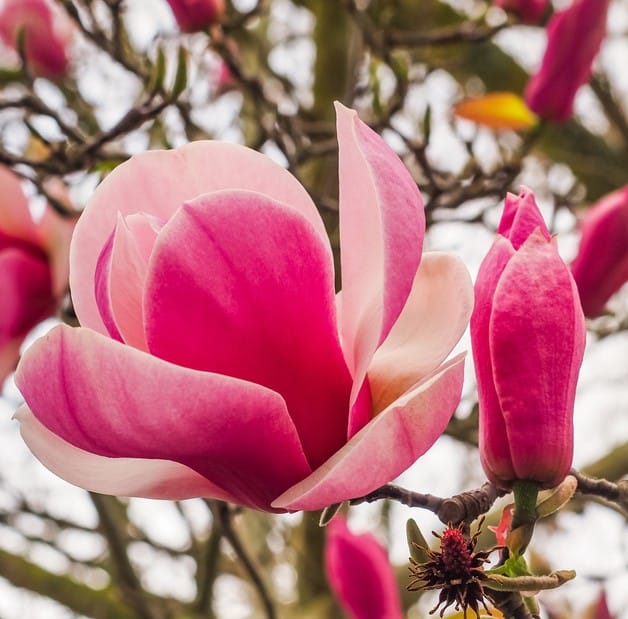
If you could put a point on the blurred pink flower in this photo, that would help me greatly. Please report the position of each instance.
(360, 574)
(601, 266)
(47, 33)
(33, 267)
(529, 11)
(574, 37)
(194, 15)
(601, 609)
(216, 360)
(528, 335)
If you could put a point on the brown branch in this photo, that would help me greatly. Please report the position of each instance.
(222, 513)
(463, 507)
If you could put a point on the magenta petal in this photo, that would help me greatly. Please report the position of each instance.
(521, 217)
(139, 477)
(536, 386)
(243, 286)
(381, 230)
(494, 446)
(159, 182)
(15, 217)
(360, 573)
(410, 425)
(115, 401)
(26, 292)
(132, 247)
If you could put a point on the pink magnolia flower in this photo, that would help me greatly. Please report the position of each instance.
(33, 267)
(214, 358)
(601, 266)
(601, 609)
(360, 574)
(193, 15)
(527, 333)
(47, 32)
(574, 37)
(529, 11)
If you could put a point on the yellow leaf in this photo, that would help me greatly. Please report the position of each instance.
(497, 110)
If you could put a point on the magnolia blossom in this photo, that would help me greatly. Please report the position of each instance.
(214, 357)
(360, 574)
(193, 15)
(528, 335)
(46, 33)
(574, 37)
(601, 266)
(33, 267)
(530, 11)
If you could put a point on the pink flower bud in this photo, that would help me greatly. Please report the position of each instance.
(360, 574)
(601, 266)
(528, 336)
(46, 32)
(574, 37)
(194, 15)
(33, 267)
(529, 11)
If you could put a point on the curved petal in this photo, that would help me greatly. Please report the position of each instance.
(431, 323)
(158, 182)
(360, 573)
(146, 478)
(381, 230)
(9, 355)
(132, 246)
(536, 350)
(521, 217)
(243, 286)
(115, 401)
(15, 216)
(55, 233)
(386, 447)
(25, 291)
(494, 448)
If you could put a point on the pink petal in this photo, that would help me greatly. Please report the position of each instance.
(431, 323)
(148, 478)
(243, 286)
(521, 217)
(494, 447)
(55, 233)
(158, 183)
(115, 401)
(574, 37)
(25, 292)
(381, 230)
(384, 448)
(15, 216)
(536, 386)
(121, 278)
(360, 574)
(601, 266)
(9, 355)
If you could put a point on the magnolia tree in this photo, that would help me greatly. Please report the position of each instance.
(262, 230)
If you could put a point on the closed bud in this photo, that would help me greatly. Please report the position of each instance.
(601, 266)
(528, 336)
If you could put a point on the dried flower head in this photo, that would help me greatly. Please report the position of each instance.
(456, 569)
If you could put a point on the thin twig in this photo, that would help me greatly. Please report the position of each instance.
(222, 513)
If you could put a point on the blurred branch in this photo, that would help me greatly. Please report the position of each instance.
(222, 513)
(81, 599)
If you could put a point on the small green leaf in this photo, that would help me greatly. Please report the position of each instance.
(328, 513)
(181, 76)
(416, 542)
